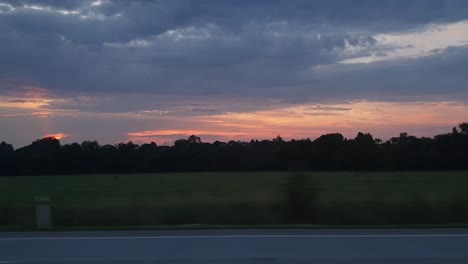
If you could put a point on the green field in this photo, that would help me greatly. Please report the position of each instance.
(229, 197)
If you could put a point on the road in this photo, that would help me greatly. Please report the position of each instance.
(417, 246)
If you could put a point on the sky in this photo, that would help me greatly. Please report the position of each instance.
(115, 70)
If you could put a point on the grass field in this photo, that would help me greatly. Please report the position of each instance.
(227, 197)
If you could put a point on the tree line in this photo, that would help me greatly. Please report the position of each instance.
(328, 152)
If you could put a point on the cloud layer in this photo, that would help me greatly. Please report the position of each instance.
(196, 58)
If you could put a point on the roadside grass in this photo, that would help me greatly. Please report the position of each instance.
(239, 199)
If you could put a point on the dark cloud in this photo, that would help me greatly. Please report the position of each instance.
(224, 48)
(18, 101)
(328, 108)
(442, 75)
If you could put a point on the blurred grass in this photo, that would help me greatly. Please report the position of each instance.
(234, 197)
(176, 188)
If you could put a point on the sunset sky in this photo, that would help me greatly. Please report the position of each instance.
(146, 71)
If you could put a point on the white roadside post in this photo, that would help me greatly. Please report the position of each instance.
(43, 212)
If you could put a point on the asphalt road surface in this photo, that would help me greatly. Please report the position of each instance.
(427, 246)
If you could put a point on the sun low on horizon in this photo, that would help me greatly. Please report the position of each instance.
(144, 71)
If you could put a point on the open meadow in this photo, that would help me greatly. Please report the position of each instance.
(239, 198)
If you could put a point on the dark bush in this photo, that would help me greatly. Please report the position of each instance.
(301, 201)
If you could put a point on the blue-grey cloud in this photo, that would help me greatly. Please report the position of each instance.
(225, 48)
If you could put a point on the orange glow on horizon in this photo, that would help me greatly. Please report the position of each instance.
(382, 119)
(57, 136)
(188, 132)
(235, 119)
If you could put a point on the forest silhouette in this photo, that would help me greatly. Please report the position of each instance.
(328, 152)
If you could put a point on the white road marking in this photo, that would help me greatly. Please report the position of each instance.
(231, 236)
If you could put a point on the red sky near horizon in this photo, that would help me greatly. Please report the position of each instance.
(305, 120)
(108, 71)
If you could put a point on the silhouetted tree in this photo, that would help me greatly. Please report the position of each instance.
(6, 158)
(278, 138)
(463, 128)
(328, 152)
(194, 140)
